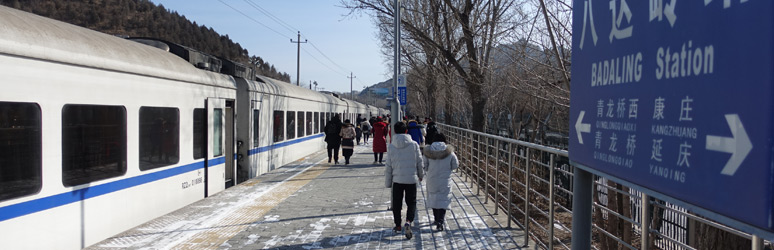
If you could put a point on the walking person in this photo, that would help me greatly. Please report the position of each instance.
(432, 130)
(439, 163)
(403, 172)
(358, 133)
(415, 130)
(332, 137)
(347, 140)
(380, 131)
(366, 127)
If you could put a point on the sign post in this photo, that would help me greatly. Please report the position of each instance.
(675, 98)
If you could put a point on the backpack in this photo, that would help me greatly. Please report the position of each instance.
(366, 127)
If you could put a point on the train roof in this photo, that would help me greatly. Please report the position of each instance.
(32, 36)
(277, 87)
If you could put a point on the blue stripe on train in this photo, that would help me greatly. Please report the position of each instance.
(34, 206)
(283, 144)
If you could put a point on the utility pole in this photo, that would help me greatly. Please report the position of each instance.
(298, 58)
(395, 105)
(351, 93)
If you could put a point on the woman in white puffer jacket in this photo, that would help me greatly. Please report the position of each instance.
(439, 162)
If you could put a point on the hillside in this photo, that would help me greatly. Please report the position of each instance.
(142, 18)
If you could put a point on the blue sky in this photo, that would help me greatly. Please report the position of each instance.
(350, 42)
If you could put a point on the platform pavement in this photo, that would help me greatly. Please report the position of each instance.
(310, 204)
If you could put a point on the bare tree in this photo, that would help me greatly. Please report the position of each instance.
(461, 32)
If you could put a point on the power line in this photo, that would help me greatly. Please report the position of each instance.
(272, 16)
(329, 59)
(321, 63)
(256, 21)
(291, 29)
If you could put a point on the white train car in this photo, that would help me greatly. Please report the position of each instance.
(375, 111)
(354, 109)
(99, 134)
(291, 119)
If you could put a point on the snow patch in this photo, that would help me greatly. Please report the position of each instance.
(251, 239)
(271, 218)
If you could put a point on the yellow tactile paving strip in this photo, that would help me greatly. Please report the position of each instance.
(238, 221)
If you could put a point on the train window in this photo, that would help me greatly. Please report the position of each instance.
(327, 117)
(279, 132)
(256, 119)
(291, 123)
(20, 149)
(199, 133)
(159, 137)
(93, 143)
(301, 123)
(309, 122)
(217, 132)
(319, 125)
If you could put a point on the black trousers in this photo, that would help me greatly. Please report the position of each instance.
(378, 156)
(398, 191)
(439, 214)
(333, 148)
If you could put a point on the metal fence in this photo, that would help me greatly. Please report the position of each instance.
(533, 184)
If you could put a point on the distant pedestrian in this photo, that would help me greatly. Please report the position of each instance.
(439, 162)
(366, 127)
(332, 137)
(432, 130)
(403, 172)
(380, 131)
(347, 140)
(358, 133)
(415, 130)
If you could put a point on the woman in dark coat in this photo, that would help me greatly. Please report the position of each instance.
(347, 140)
(332, 137)
(380, 131)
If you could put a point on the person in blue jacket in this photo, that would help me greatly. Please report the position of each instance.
(415, 130)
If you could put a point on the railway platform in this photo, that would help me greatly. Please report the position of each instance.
(311, 204)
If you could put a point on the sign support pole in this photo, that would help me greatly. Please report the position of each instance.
(581, 209)
(645, 222)
(757, 243)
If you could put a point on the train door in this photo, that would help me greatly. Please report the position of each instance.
(220, 124)
(230, 175)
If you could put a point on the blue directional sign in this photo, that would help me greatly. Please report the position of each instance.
(676, 97)
(402, 94)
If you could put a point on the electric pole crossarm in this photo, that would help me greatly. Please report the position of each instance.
(351, 94)
(298, 58)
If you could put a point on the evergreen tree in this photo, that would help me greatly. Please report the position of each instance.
(142, 18)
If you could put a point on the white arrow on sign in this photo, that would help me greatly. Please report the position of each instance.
(582, 127)
(739, 145)
(669, 12)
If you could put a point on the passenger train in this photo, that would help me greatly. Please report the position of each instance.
(99, 134)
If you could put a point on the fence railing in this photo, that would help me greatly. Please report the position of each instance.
(533, 185)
